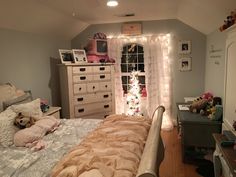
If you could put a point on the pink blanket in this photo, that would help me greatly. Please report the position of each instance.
(114, 149)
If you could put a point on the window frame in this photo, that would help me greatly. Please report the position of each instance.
(127, 74)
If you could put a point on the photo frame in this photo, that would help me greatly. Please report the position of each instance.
(131, 29)
(79, 56)
(185, 64)
(185, 47)
(66, 56)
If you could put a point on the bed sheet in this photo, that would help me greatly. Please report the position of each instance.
(22, 162)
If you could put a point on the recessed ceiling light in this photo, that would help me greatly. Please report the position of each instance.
(112, 3)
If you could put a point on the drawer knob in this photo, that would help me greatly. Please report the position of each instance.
(102, 68)
(93, 87)
(80, 110)
(80, 88)
(102, 76)
(106, 106)
(80, 99)
(106, 86)
(82, 69)
(105, 96)
(82, 78)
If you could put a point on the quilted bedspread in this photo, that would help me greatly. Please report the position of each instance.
(113, 149)
(22, 162)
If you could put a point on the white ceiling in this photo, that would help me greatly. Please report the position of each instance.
(67, 18)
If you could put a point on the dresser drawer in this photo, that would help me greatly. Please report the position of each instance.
(101, 77)
(82, 78)
(101, 69)
(92, 98)
(82, 110)
(85, 99)
(82, 69)
(105, 96)
(80, 88)
(105, 86)
(92, 87)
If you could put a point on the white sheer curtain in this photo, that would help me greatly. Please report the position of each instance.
(115, 51)
(158, 71)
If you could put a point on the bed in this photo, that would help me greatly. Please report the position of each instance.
(23, 162)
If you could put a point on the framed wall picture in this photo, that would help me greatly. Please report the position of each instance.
(185, 64)
(66, 56)
(131, 29)
(79, 56)
(184, 47)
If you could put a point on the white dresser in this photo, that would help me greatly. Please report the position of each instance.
(87, 91)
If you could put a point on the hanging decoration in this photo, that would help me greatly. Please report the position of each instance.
(133, 96)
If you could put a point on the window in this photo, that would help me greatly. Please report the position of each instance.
(132, 59)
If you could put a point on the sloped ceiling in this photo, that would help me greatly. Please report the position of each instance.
(34, 17)
(67, 18)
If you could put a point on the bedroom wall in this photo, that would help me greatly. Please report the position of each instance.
(215, 63)
(184, 83)
(29, 62)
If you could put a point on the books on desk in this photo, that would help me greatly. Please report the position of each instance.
(183, 107)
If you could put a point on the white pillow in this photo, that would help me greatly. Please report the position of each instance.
(29, 109)
(7, 127)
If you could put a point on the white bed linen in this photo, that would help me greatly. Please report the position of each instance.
(22, 162)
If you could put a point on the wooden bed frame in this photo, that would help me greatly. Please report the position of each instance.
(153, 153)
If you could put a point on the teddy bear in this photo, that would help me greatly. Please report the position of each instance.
(198, 105)
(23, 121)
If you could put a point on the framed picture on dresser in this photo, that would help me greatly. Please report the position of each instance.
(66, 56)
(79, 56)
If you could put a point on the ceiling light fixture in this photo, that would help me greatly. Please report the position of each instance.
(112, 3)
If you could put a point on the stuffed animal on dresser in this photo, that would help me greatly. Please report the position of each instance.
(198, 105)
(23, 121)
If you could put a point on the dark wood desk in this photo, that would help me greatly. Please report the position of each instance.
(228, 153)
(196, 131)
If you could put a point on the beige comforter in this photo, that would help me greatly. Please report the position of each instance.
(114, 149)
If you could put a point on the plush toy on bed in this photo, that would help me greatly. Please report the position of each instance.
(23, 121)
(32, 136)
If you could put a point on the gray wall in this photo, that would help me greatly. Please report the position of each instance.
(215, 63)
(29, 62)
(185, 83)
